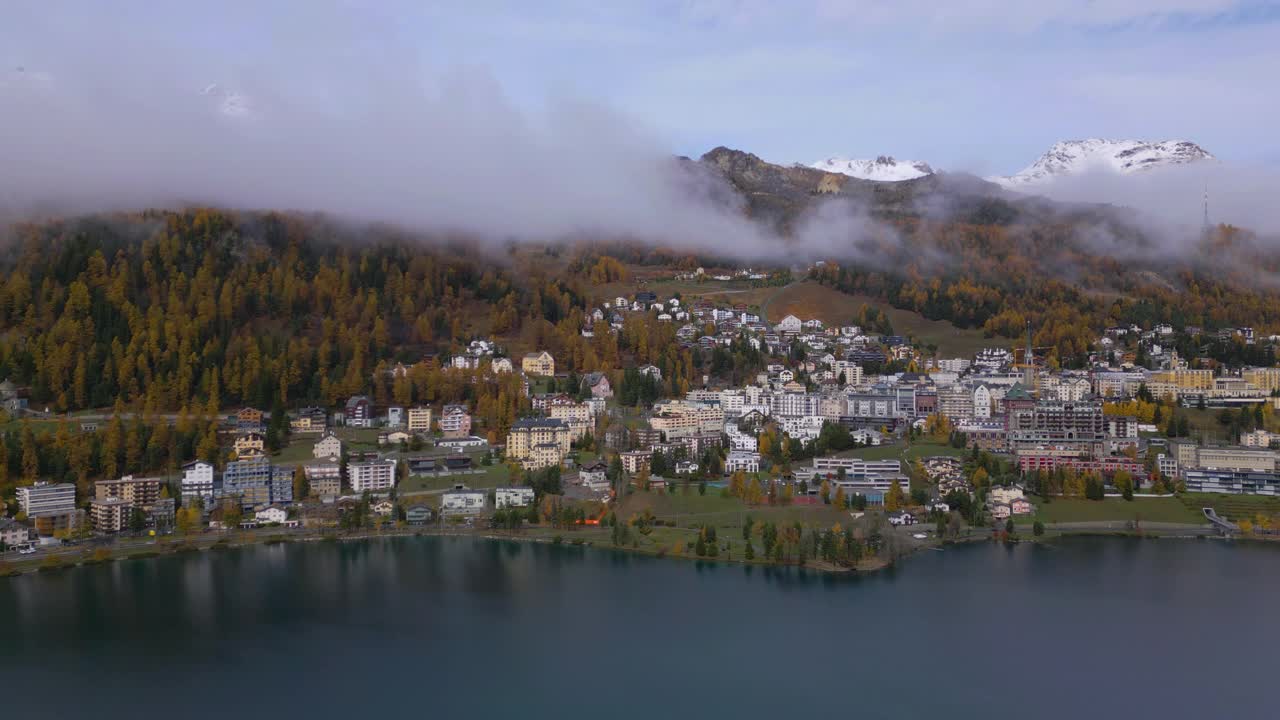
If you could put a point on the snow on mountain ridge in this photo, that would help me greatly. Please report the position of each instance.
(1123, 157)
(883, 169)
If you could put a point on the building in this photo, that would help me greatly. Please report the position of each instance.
(598, 384)
(576, 415)
(141, 492)
(418, 515)
(678, 418)
(419, 420)
(328, 447)
(374, 476)
(257, 482)
(110, 515)
(634, 460)
(1235, 458)
(13, 533)
(538, 442)
(1185, 379)
(512, 497)
(395, 416)
(272, 515)
(358, 412)
(309, 420)
(49, 506)
(249, 418)
(324, 479)
(1258, 439)
(462, 502)
(197, 480)
(539, 363)
(1235, 482)
(455, 421)
(748, 462)
(249, 445)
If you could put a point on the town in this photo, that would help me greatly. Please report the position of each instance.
(840, 426)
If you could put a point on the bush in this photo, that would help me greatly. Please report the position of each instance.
(1037, 528)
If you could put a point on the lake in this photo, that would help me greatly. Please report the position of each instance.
(427, 626)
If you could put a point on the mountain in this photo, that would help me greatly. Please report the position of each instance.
(1124, 157)
(778, 195)
(884, 168)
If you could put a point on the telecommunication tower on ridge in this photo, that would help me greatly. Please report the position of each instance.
(1204, 228)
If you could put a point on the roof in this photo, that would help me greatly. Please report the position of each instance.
(1017, 392)
(537, 422)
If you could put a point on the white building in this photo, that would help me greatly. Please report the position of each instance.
(512, 497)
(328, 447)
(790, 324)
(739, 460)
(197, 480)
(272, 515)
(46, 499)
(375, 476)
(395, 416)
(462, 502)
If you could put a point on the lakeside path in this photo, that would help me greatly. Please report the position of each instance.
(91, 553)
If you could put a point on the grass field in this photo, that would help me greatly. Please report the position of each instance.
(496, 475)
(1232, 507)
(810, 299)
(1204, 423)
(1170, 510)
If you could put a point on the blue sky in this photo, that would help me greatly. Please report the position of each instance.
(978, 85)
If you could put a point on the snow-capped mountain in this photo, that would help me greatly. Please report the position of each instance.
(1124, 157)
(228, 102)
(883, 168)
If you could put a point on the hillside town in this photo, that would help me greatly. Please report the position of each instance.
(842, 416)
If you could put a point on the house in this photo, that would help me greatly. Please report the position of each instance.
(650, 372)
(598, 383)
(328, 447)
(539, 363)
(938, 506)
(593, 476)
(418, 515)
(358, 412)
(394, 438)
(272, 515)
(500, 365)
(1021, 506)
(248, 418)
(309, 420)
(462, 502)
(512, 497)
(902, 519)
(373, 476)
(383, 508)
(1001, 511)
(790, 324)
(250, 445)
(13, 533)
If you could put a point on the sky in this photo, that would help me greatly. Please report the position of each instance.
(978, 85)
(558, 118)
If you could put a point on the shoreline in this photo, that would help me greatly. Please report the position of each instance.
(84, 556)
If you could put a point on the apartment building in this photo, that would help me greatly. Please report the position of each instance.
(679, 418)
(539, 363)
(197, 480)
(110, 515)
(142, 492)
(419, 419)
(538, 442)
(257, 482)
(49, 506)
(455, 421)
(576, 415)
(324, 478)
(373, 476)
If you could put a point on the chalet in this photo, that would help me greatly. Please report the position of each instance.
(598, 383)
(418, 515)
(248, 419)
(790, 324)
(272, 516)
(249, 445)
(539, 363)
